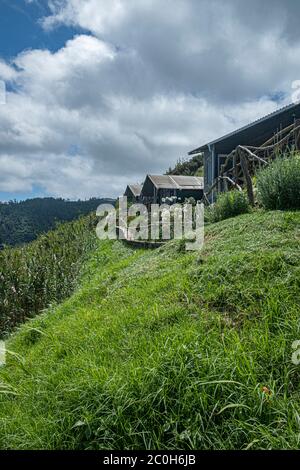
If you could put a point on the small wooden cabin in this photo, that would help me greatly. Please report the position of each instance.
(133, 192)
(255, 134)
(158, 187)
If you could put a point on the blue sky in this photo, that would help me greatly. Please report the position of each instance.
(102, 92)
(20, 28)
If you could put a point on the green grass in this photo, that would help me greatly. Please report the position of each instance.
(166, 349)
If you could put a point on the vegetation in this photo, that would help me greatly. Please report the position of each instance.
(229, 204)
(192, 167)
(43, 272)
(166, 349)
(279, 184)
(21, 222)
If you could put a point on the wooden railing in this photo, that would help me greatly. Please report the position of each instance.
(241, 164)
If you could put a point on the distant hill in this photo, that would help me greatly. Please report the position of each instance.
(21, 222)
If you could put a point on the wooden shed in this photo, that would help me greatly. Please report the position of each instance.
(156, 188)
(254, 134)
(133, 192)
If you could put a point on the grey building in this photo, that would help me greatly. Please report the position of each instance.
(133, 192)
(158, 187)
(254, 134)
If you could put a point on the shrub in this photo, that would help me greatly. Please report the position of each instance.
(278, 184)
(229, 204)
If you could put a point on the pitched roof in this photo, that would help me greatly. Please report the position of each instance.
(135, 189)
(176, 181)
(285, 109)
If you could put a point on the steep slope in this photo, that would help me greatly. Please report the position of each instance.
(166, 349)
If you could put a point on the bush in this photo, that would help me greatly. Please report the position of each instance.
(229, 204)
(279, 184)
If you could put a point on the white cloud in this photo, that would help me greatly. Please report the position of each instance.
(7, 72)
(148, 85)
(94, 15)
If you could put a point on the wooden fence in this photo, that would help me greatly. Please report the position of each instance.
(138, 243)
(241, 164)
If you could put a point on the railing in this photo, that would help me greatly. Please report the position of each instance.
(138, 243)
(243, 161)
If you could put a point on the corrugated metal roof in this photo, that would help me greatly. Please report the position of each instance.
(162, 181)
(176, 182)
(188, 181)
(241, 129)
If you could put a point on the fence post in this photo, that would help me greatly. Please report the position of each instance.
(244, 165)
(298, 140)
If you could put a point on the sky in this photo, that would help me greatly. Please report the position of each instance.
(101, 92)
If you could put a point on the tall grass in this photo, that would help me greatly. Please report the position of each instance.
(279, 184)
(166, 349)
(229, 204)
(42, 272)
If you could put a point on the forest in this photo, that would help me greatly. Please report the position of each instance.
(21, 222)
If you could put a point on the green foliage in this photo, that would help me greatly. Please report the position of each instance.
(43, 272)
(192, 167)
(166, 349)
(279, 184)
(229, 204)
(191, 200)
(21, 222)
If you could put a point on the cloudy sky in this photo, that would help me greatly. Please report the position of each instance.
(100, 92)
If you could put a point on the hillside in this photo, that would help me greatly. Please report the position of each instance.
(21, 222)
(166, 349)
(190, 167)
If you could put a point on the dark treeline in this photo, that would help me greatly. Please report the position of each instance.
(21, 222)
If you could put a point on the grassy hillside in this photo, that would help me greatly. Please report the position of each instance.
(166, 349)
